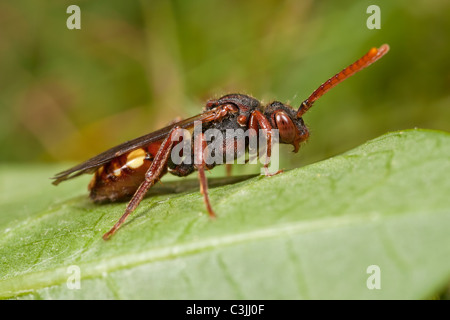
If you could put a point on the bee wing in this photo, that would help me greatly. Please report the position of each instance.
(91, 165)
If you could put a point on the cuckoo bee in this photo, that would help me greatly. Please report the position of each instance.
(132, 168)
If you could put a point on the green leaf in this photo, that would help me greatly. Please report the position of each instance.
(308, 233)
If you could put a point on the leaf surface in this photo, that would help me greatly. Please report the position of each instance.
(308, 233)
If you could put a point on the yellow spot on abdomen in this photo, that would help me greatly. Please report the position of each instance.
(115, 166)
(135, 158)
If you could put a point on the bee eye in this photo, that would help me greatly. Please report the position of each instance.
(286, 127)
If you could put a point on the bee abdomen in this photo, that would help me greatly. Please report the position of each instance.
(120, 178)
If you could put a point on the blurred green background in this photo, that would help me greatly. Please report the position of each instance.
(134, 66)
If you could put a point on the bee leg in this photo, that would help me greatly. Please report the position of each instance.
(200, 164)
(228, 169)
(156, 170)
(258, 119)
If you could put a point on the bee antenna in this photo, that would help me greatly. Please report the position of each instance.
(370, 57)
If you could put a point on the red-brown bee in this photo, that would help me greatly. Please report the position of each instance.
(132, 168)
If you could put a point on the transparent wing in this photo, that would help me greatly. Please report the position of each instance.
(91, 165)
